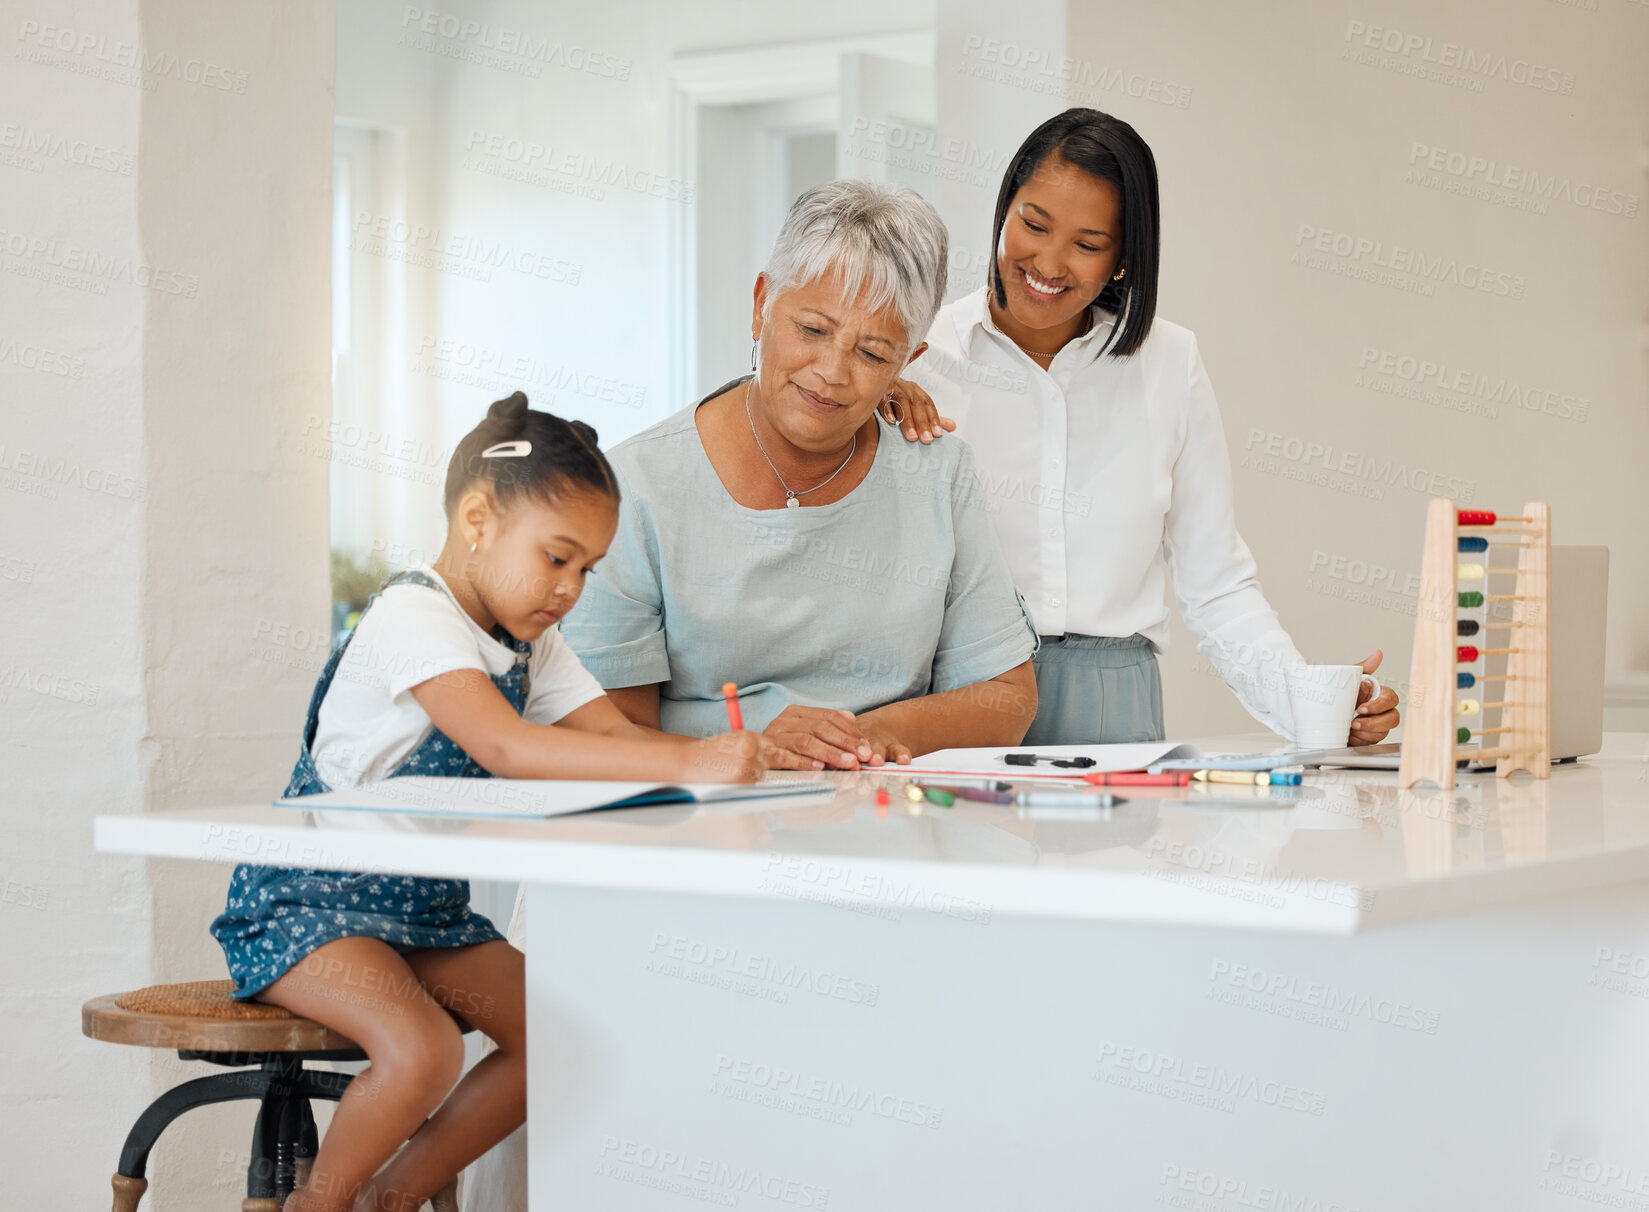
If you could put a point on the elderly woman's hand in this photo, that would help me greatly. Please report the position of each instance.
(884, 746)
(820, 736)
(921, 414)
(1377, 718)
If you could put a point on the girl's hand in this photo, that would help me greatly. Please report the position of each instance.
(1377, 718)
(816, 737)
(920, 412)
(733, 757)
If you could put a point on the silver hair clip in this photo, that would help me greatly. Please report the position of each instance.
(508, 450)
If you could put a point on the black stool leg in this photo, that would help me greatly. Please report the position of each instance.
(286, 1146)
(130, 1180)
(308, 1144)
(308, 1084)
(283, 1162)
(262, 1191)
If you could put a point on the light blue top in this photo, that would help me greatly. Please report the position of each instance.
(898, 590)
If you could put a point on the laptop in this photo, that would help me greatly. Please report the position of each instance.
(1580, 600)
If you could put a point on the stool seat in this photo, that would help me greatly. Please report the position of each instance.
(201, 1016)
(202, 1021)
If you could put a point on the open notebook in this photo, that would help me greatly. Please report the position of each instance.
(541, 798)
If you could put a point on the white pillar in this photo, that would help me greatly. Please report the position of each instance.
(164, 245)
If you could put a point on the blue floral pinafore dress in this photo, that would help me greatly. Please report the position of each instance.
(277, 915)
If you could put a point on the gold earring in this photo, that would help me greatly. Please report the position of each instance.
(1117, 277)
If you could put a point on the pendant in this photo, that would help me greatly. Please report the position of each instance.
(790, 501)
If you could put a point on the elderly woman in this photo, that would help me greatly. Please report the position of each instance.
(773, 536)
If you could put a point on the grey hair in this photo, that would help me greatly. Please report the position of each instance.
(877, 236)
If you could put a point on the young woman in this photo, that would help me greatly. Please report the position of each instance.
(1100, 447)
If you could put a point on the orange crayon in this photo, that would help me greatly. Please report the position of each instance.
(1131, 779)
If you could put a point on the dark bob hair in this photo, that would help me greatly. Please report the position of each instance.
(1110, 149)
(561, 457)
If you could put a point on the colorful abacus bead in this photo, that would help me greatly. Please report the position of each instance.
(1467, 707)
(1471, 598)
(1464, 681)
(1462, 735)
(1465, 627)
(1470, 572)
(1465, 654)
(1475, 517)
(1472, 543)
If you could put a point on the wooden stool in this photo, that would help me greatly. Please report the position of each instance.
(201, 1021)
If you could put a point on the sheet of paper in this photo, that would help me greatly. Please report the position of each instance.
(1108, 759)
(1236, 761)
(542, 798)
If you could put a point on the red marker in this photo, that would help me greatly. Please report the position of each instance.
(735, 718)
(1166, 779)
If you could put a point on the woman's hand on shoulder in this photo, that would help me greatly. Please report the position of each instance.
(732, 757)
(922, 420)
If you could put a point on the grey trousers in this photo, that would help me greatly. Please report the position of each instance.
(1096, 690)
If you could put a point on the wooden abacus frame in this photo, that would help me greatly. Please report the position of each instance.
(1430, 742)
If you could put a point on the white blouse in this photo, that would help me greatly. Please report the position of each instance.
(1103, 475)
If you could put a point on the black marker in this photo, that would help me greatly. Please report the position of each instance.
(1031, 759)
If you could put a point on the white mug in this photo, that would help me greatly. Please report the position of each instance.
(1324, 699)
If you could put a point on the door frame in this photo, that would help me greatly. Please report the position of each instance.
(774, 72)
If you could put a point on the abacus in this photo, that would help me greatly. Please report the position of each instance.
(1434, 740)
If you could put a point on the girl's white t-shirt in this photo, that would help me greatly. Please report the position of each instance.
(369, 722)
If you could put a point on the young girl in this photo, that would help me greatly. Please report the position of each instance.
(454, 669)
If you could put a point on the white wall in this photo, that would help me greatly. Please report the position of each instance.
(163, 333)
(737, 224)
(1285, 133)
(985, 112)
(71, 614)
(553, 158)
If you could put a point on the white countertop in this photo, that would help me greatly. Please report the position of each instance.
(1343, 852)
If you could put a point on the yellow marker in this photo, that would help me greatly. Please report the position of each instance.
(1255, 778)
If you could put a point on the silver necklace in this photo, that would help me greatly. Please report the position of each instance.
(791, 496)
